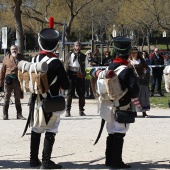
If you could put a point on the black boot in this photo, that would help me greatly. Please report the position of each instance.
(81, 113)
(69, 101)
(117, 146)
(144, 114)
(108, 152)
(5, 116)
(5, 110)
(34, 149)
(46, 155)
(19, 110)
(19, 116)
(81, 106)
(67, 113)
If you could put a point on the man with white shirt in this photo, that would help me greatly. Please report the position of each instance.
(75, 64)
(157, 72)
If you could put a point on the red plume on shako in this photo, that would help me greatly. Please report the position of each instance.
(51, 22)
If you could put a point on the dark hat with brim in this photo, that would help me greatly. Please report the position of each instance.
(134, 50)
(48, 39)
(122, 45)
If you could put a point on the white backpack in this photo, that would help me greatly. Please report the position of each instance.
(110, 88)
(33, 76)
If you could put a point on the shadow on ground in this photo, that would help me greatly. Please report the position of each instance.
(147, 165)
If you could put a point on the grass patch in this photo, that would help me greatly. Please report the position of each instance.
(160, 102)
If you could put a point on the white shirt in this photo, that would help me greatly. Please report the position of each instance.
(133, 61)
(76, 63)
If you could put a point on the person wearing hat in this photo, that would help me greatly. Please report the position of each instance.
(106, 61)
(140, 68)
(48, 39)
(89, 92)
(9, 81)
(75, 64)
(117, 131)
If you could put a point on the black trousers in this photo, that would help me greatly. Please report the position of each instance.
(156, 80)
(76, 84)
(89, 91)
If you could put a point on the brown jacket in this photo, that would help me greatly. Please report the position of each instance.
(9, 66)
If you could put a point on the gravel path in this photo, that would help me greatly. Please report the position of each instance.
(146, 143)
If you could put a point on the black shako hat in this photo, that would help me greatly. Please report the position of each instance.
(48, 39)
(122, 45)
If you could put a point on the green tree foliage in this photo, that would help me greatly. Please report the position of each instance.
(88, 17)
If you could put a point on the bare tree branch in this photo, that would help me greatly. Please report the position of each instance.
(83, 6)
(46, 14)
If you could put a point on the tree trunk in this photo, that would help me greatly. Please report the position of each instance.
(148, 41)
(143, 41)
(18, 25)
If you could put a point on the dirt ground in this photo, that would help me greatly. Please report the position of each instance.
(146, 145)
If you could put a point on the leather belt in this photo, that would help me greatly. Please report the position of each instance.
(75, 69)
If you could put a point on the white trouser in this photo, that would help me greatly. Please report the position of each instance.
(53, 129)
(115, 127)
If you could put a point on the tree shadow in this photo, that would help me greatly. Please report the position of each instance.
(143, 165)
(147, 165)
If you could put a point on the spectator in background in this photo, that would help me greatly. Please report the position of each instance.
(97, 57)
(145, 56)
(9, 81)
(89, 92)
(106, 61)
(140, 66)
(75, 64)
(167, 59)
(157, 72)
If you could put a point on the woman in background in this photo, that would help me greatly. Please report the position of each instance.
(145, 56)
(140, 68)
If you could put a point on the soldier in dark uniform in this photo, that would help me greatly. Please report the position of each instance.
(75, 64)
(116, 131)
(48, 40)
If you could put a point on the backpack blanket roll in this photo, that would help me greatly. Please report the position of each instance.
(110, 88)
(113, 88)
(113, 85)
(109, 91)
(33, 77)
(101, 87)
